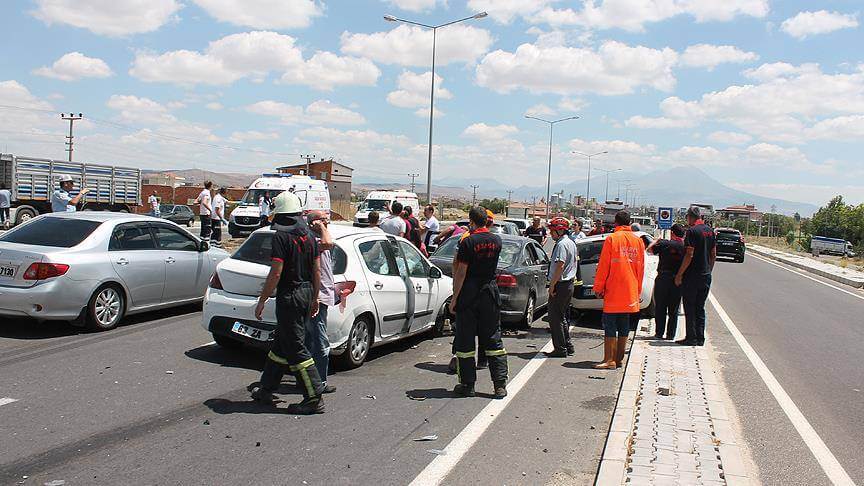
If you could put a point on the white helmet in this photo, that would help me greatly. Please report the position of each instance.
(65, 178)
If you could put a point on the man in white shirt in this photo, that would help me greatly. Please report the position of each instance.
(205, 209)
(153, 201)
(394, 224)
(431, 226)
(264, 203)
(5, 204)
(218, 215)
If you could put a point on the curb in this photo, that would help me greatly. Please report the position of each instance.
(852, 282)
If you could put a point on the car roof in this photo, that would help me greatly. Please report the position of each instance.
(590, 239)
(102, 216)
(728, 230)
(336, 231)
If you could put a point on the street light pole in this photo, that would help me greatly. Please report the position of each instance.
(588, 189)
(607, 171)
(434, 28)
(549, 168)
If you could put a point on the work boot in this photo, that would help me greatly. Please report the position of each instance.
(482, 363)
(451, 368)
(557, 353)
(609, 353)
(464, 390)
(684, 342)
(571, 350)
(309, 406)
(620, 349)
(329, 388)
(500, 389)
(263, 396)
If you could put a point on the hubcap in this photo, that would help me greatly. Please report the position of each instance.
(107, 308)
(529, 312)
(360, 341)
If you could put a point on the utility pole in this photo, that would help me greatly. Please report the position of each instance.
(414, 176)
(533, 205)
(308, 162)
(72, 119)
(509, 199)
(474, 197)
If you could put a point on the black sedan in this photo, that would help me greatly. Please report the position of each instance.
(522, 271)
(177, 213)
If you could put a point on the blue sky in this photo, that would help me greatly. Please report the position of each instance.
(766, 96)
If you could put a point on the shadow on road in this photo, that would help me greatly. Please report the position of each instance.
(245, 358)
(582, 365)
(438, 393)
(434, 367)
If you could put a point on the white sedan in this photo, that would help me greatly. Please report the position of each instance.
(395, 292)
(589, 257)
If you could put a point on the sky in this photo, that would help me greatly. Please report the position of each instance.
(766, 96)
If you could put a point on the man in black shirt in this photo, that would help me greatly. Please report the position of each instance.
(477, 305)
(536, 232)
(667, 295)
(295, 276)
(694, 276)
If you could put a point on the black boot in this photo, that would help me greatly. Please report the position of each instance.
(500, 389)
(482, 363)
(309, 406)
(451, 368)
(310, 382)
(464, 390)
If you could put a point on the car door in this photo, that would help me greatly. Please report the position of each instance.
(388, 289)
(539, 269)
(186, 269)
(424, 288)
(135, 259)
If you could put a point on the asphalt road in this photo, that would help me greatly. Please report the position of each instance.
(155, 402)
(810, 337)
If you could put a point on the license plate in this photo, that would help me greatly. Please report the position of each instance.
(7, 271)
(251, 332)
(588, 292)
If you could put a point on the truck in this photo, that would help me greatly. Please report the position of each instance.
(246, 217)
(608, 211)
(33, 180)
(380, 201)
(831, 246)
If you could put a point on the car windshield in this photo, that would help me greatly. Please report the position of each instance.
(589, 252)
(258, 249)
(55, 232)
(509, 251)
(375, 205)
(253, 195)
(728, 236)
(166, 208)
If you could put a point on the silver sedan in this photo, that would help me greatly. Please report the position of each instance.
(94, 268)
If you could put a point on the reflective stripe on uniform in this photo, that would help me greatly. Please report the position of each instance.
(307, 381)
(469, 354)
(275, 357)
(496, 352)
(302, 366)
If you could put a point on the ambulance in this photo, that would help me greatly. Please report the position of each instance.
(246, 217)
(380, 201)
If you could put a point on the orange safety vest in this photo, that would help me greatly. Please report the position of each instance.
(620, 271)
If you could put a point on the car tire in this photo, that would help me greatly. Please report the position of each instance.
(530, 312)
(106, 308)
(741, 260)
(189, 223)
(22, 215)
(443, 315)
(358, 345)
(226, 342)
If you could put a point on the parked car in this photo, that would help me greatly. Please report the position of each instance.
(520, 223)
(589, 256)
(177, 213)
(730, 243)
(500, 227)
(393, 292)
(522, 269)
(94, 268)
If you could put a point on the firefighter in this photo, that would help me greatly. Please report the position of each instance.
(477, 306)
(295, 275)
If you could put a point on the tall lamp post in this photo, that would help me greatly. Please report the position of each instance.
(552, 124)
(391, 18)
(588, 189)
(607, 171)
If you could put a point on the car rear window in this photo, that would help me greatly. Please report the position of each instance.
(728, 236)
(55, 232)
(589, 253)
(258, 248)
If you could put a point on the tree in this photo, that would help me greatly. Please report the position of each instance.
(497, 206)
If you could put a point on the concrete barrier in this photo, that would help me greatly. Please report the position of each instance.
(847, 277)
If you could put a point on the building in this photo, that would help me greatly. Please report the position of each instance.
(518, 210)
(164, 179)
(740, 212)
(338, 176)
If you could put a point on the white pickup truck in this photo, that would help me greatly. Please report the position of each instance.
(831, 246)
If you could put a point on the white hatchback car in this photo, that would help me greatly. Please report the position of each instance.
(395, 292)
(589, 257)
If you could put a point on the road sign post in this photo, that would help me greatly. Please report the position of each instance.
(665, 217)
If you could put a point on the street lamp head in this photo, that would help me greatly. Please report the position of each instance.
(604, 152)
(390, 18)
(481, 15)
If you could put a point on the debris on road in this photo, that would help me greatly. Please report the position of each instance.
(415, 347)
(206, 422)
(664, 391)
(418, 398)
(596, 377)
(56, 482)
(440, 452)
(257, 444)
(169, 372)
(426, 438)
(369, 397)
(531, 346)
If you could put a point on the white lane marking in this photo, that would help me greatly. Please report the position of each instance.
(835, 472)
(7, 401)
(771, 262)
(441, 466)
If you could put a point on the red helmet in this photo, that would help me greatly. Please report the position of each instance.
(559, 224)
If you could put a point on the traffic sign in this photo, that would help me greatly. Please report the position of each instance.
(665, 217)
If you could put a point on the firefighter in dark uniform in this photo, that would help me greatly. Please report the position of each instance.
(295, 275)
(477, 305)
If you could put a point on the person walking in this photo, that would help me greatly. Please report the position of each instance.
(5, 204)
(394, 224)
(295, 276)
(536, 232)
(667, 295)
(316, 328)
(477, 305)
(694, 275)
(153, 202)
(205, 210)
(62, 201)
(618, 282)
(431, 227)
(373, 220)
(218, 218)
(561, 277)
(264, 203)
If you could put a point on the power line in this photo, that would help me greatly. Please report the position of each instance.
(474, 197)
(71, 118)
(413, 176)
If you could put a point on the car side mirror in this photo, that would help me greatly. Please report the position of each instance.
(434, 272)
(204, 246)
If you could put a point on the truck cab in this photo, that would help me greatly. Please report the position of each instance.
(246, 217)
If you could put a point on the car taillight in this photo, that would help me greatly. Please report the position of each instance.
(41, 271)
(215, 283)
(346, 288)
(506, 280)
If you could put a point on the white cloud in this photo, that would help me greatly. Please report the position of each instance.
(842, 128)
(412, 46)
(572, 105)
(253, 135)
(639, 121)
(613, 69)
(813, 23)
(108, 17)
(541, 110)
(416, 5)
(486, 133)
(729, 138)
(777, 70)
(504, 11)
(320, 112)
(213, 105)
(145, 111)
(814, 193)
(74, 66)
(264, 14)
(414, 90)
(710, 56)
(253, 54)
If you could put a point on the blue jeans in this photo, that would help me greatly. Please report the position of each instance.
(616, 325)
(317, 342)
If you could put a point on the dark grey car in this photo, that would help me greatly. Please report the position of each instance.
(177, 213)
(522, 271)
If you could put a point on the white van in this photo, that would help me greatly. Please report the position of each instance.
(246, 217)
(381, 201)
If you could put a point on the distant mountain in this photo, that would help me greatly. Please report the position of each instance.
(197, 177)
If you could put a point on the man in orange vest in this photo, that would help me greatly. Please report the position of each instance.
(618, 282)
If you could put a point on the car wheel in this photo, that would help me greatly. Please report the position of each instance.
(443, 315)
(23, 215)
(530, 310)
(189, 223)
(359, 342)
(106, 308)
(226, 342)
(741, 260)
